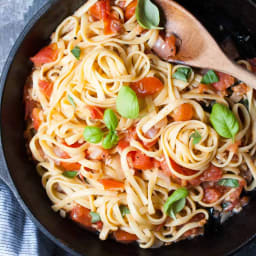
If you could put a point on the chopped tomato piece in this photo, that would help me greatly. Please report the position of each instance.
(234, 147)
(124, 237)
(147, 86)
(96, 112)
(212, 173)
(97, 152)
(122, 144)
(112, 25)
(45, 87)
(70, 166)
(182, 170)
(102, 10)
(111, 184)
(140, 161)
(171, 43)
(240, 89)
(45, 55)
(36, 118)
(130, 10)
(82, 216)
(236, 194)
(202, 88)
(211, 195)
(165, 46)
(225, 81)
(184, 112)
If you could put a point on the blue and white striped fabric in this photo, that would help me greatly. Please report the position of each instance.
(18, 235)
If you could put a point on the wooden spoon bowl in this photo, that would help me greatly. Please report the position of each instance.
(198, 48)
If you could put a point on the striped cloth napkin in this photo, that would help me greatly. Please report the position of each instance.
(18, 235)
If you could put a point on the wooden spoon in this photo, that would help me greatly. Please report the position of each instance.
(198, 48)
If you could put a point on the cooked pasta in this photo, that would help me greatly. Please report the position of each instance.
(151, 177)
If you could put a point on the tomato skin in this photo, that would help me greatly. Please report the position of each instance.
(102, 10)
(82, 216)
(96, 112)
(140, 161)
(36, 118)
(123, 144)
(111, 184)
(182, 170)
(130, 10)
(225, 81)
(202, 88)
(240, 89)
(184, 112)
(147, 86)
(124, 237)
(234, 146)
(45, 87)
(45, 55)
(212, 173)
(171, 43)
(70, 166)
(211, 195)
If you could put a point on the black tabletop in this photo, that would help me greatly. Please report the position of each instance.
(14, 14)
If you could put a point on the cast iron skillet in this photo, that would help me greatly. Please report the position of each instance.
(230, 18)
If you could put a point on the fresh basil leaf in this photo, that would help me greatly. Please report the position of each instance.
(124, 210)
(76, 52)
(176, 207)
(177, 195)
(245, 102)
(147, 14)
(69, 174)
(95, 217)
(110, 140)
(93, 134)
(196, 136)
(110, 119)
(70, 99)
(224, 121)
(182, 74)
(233, 183)
(127, 103)
(210, 77)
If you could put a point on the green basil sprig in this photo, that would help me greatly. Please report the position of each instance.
(210, 77)
(147, 14)
(127, 103)
(110, 119)
(124, 210)
(69, 174)
(233, 183)
(71, 101)
(182, 74)
(224, 121)
(176, 202)
(76, 51)
(93, 134)
(95, 217)
(110, 140)
(196, 136)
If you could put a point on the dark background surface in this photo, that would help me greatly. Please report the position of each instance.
(14, 14)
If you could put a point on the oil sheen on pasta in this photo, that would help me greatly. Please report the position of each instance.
(122, 191)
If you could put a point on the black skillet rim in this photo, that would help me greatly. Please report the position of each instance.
(5, 171)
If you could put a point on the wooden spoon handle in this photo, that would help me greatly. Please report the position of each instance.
(240, 73)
